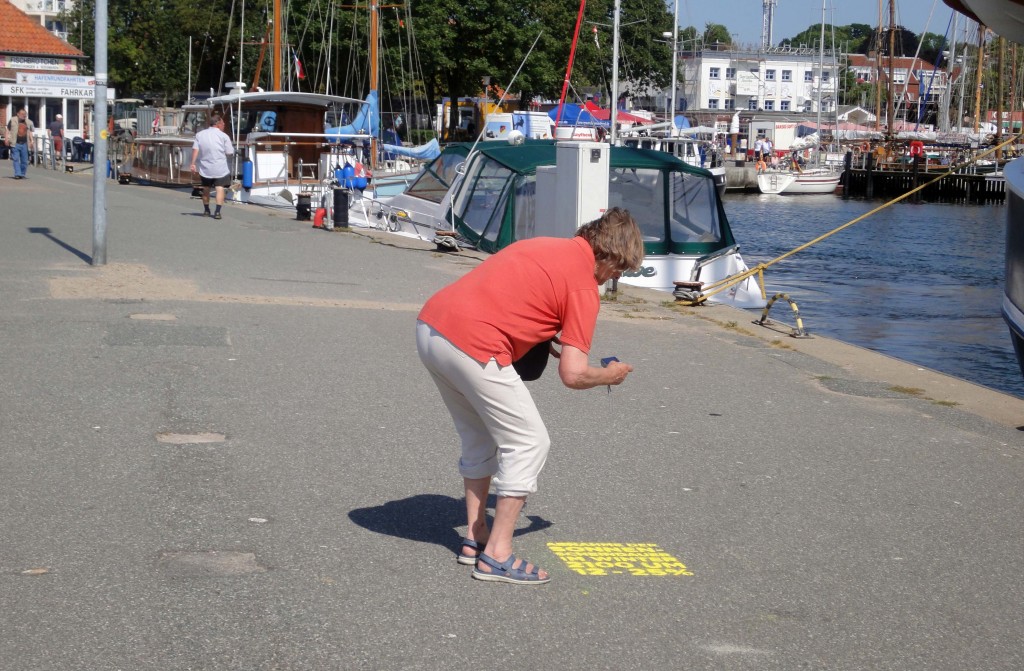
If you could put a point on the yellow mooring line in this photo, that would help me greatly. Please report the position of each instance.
(759, 269)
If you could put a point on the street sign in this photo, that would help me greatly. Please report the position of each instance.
(52, 91)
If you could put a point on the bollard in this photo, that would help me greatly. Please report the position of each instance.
(340, 214)
(304, 207)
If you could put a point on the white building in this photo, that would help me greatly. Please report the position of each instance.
(47, 12)
(779, 79)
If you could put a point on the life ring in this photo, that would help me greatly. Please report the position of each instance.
(916, 148)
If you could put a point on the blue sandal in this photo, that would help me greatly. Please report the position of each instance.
(504, 572)
(469, 560)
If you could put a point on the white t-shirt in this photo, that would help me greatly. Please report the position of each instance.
(214, 147)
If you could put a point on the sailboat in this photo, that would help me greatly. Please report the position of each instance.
(792, 178)
(291, 145)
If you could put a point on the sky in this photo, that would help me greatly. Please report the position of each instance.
(743, 17)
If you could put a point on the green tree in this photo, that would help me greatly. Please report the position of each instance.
(148, 44)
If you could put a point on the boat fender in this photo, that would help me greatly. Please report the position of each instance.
(247, 174)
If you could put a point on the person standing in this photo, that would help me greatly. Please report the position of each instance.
(210, 151)
(759, 148)
(55, 131)
(769, 151)
(19, 135)
(469, 334)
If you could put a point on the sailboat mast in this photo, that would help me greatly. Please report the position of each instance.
(890, 108)
(374, 27)
(277, 46)
(821, 70)
(978, 76)
(675, 64)
(878, 69)
(615, 74)
(572, 57)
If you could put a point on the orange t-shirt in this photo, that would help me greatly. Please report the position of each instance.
(523, 295)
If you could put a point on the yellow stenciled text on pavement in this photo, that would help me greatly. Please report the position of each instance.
(644, 559)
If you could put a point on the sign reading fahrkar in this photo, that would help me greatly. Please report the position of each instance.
(52, 91)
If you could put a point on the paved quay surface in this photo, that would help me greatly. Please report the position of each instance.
(220, 451)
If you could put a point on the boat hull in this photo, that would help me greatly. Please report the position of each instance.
(660, 272)
(158, 161)
(1013, 299)
(774, 182)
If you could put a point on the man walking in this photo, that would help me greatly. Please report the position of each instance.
(19, 135)
(55, 131)
(210, 152)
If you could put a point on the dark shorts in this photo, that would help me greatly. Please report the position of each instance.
(215, 181)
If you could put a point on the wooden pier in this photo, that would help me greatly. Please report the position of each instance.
(887, 182)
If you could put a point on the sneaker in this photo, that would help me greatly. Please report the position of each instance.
(206, 213)
(216, 215)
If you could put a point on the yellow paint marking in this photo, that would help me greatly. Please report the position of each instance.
(617, 558)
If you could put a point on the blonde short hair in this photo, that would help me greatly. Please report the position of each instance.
(616, 239)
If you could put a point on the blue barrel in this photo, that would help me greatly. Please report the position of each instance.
(247, 174)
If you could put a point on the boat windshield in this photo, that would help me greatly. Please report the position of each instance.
(434, 181)
(481, 202)
(694, 210)
(193, 121)
(692, 224)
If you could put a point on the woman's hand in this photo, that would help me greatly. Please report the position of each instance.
(576, 372)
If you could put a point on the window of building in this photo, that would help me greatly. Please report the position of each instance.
(787, 75)
(769, 75)
(713, 104)
(825, 76)
(730, 73)
(714, 73)
(784, 105)
(808, 76)
(752, 104)
(769, 105)
(730, 103)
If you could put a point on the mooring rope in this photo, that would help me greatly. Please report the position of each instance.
(759, 269)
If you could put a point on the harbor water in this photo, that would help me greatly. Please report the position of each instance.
(919, 282)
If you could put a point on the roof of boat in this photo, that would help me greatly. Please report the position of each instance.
(285, 97)
(525, 157)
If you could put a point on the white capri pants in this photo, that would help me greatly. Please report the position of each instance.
(502, 433)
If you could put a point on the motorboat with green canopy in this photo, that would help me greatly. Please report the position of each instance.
(492, 194)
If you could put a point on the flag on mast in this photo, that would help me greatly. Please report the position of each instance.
(299, 72)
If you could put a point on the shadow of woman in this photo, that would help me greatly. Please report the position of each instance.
(428, 518)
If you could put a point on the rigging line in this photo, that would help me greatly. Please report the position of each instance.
(227, 43)
(480, 135)
(416, 68)
(716, 287)
(920, 43)
(931, 80)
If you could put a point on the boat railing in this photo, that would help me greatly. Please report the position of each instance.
(708, 259)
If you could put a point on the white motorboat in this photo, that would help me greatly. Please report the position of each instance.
(821, 180)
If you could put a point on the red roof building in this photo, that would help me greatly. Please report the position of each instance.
(24, 43)
(912, 78)
(50, 80)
